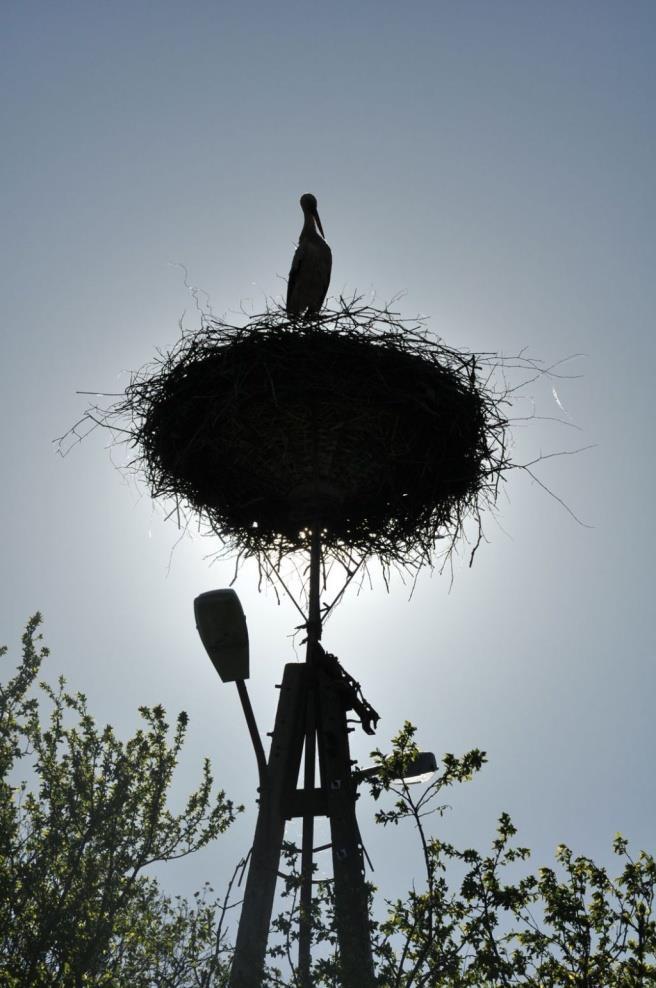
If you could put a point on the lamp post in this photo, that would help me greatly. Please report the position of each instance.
(306, 693)
(222, 628)
(221, 624)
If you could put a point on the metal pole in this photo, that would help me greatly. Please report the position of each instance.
(314, 603)
(313, 638)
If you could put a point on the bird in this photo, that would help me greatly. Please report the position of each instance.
(309, 275)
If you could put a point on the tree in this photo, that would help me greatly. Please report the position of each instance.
(572, 926)
(77, 908)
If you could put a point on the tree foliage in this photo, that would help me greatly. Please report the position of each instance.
(572, 926)
(77, 906)
(83, 816)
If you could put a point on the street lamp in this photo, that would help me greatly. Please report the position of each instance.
(420, 769)
(222, 628)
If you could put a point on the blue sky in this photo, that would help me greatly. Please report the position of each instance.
(495, 163)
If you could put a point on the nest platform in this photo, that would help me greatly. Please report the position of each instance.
(354, 421)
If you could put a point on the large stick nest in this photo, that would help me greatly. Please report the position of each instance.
(357, 421)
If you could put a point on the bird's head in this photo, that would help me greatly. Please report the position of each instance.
(309, 207)
(308, 203)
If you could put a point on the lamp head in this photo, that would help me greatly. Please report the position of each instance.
(222, 628)
(421, 768)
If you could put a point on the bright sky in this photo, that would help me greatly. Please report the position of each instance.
(496, 163)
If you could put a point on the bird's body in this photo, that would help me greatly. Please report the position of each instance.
(309, 275)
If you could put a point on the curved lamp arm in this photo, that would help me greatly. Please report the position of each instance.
(254, 733)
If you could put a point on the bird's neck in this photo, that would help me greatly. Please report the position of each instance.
(309, 226)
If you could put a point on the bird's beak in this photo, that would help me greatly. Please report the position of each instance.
(318, 222)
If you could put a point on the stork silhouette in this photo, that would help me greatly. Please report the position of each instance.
(309, 275)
